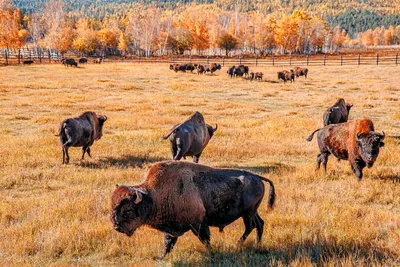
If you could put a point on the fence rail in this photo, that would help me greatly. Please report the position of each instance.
(50, 56)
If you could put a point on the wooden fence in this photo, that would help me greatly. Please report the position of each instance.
(39, 55)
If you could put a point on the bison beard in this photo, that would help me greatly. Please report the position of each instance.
(355, 141)
(177, 197)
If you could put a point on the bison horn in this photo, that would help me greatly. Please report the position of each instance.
(216, 127)
(357, 137)
(383, 135)
(137, 197)
(105, 117)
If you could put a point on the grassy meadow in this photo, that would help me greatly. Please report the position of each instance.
(54, 214)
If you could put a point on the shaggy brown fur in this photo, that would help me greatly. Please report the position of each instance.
(301, 72)
(355, 141)
(180, 196)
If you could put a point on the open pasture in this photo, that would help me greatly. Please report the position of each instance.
(60, 214)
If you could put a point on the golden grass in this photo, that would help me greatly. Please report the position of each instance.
(51, 214)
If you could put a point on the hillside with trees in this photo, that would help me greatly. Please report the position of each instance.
(217, 28)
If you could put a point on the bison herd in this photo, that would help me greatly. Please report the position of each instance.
(201, 69)
(177, 197)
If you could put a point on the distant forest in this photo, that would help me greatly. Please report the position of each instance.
(352, 15)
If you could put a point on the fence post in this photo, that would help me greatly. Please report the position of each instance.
(273, 60)
(19, 56)
(359, 60)
(397, 58)
(172, 58)
(324, 59)
(377, 59)
(190, 58)
(290, 59)
(6, 56)
(341, 60)
(208, 60)
(240, 60)
(256, 60)
(223, 61)
(48, 51)
(307, 59)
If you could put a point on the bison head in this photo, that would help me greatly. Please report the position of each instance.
(211, 130)
(101, 119)
(348, 107)
(369, 144)
(130, 209)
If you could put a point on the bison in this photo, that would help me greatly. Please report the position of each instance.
(82, 60)
(258, 75)
(177, 67)
(98, 60)
(338, 113)
(80, 132)
(69, 62)
(355, 141)
(28, 62)
(301, 72)
(214, 67)
(241, 70)
(180, 196)
(201, 69)
(190, 137)
(190, 67)
(230, 71)
(286, 76)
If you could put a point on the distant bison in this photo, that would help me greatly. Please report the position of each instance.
(201, 69)
(241, 70)
(177, 197)
(301, 72)
(190, 67)
(286, 76)
(258, 75)
(355, 141)
(338, 113)
(28, 62)
(177, 67)
(69, 62)
(214, 67)
(98, 60)
(80, 132)
(230, 71)
(83, 60)
(190, 137)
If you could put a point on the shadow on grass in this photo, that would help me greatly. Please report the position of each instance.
(395, 178)
(318, 253)
(126, 161)
(273, 168)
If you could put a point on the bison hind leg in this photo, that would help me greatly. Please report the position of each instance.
(169, 242)
(259, 226)
(250, 224)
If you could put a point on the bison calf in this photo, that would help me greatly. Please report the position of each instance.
(355, 141)
(177, 197)
(80, 132)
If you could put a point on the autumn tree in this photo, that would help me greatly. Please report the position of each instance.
(227, 42)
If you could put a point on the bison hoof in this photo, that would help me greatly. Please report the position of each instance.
(159, 258)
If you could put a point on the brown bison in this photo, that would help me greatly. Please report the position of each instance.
(214, 67)
(355, 141)
(98, 60)
(80, 132)
(230, 71)
(301, 72)
(286, 76)
(69, 62)
(338, 113)
(28, 62)
(82, 60)
(201, 69)
(190, 137)
(177, 197)
(258, 75)
(241, 70)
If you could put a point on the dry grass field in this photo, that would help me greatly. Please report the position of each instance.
(54, 214)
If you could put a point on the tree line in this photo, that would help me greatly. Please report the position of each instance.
(196, 29)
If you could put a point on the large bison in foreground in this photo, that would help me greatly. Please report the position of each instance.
(355, 141)
(190, 137)
(180, 196)
(338, 113)
(80, 132)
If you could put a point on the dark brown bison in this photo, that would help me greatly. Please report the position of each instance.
(80, 132)
(69, 62)
(301, 72)
(177, 67)
(201, 69)
(28, 62)
(190, 137)
(189, 66)
(258, 75)
(338, 113)
(355, 141)
(251, 76)
(82, 60)
(214, 67)
(98, 60)
(230, 71)
(286, 76)
(177, 197)
(241, 70)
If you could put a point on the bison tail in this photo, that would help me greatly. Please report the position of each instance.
(312, 135)
(271, 198)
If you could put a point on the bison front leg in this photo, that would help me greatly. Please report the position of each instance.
(202, 231)
(357, 169)
(169, 242)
